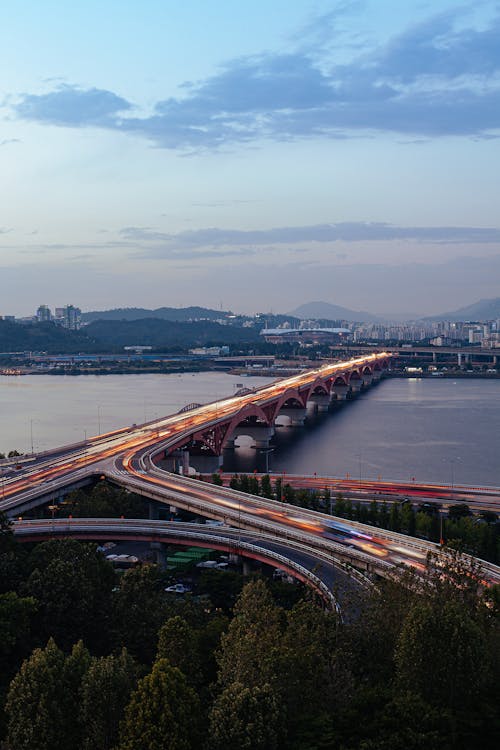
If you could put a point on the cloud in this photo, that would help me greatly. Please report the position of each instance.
(439, 77)
(8, 141)
(343, 232)
(72, 106)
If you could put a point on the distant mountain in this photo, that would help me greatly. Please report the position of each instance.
(327, 311)
(181, 314)
(485, 309)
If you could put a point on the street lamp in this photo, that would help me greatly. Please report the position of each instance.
(266, 453)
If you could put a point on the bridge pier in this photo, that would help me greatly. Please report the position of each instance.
(297, 416)
(321, 401)
(261, 434)
(356, 386)
(340, 392)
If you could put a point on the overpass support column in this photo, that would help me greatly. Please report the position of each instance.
(434, 357)
(177, 461)
(367, 380)
(205, 464)
(459, 357)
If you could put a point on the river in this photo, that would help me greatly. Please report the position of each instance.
(438, 430)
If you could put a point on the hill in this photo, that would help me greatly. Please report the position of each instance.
(161, 313)
(327, 311)
(44, 337)
(485, 309)
(163, 334)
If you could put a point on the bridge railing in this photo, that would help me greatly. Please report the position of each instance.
(88, 525)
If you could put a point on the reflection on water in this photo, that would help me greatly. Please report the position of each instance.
(435, 430)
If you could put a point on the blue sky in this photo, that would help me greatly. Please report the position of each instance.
(250, 155)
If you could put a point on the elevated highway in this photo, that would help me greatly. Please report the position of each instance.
(130, 457)
(477, 498)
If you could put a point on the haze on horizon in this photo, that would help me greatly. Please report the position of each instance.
(253, 157)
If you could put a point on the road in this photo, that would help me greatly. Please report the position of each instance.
(127, 457)
(478, 498)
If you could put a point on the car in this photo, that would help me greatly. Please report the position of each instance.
(178, 588)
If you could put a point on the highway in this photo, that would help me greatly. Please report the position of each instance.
(128, 457)
(478, 498)
(318, 571)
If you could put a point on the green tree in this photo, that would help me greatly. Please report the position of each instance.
(278, 489)
(312, 668)
(445, 643)
(105, 692)
(139, 609)
(250, 718)
(42, 702)
(395, 518)
(16, 614)
(249, 648)
(265, 487)
(339, 506)
(244, 484)
(72, 583)
(178, 643)
(253, 485)
(163, 712)
(217, 479)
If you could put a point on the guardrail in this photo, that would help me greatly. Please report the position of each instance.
(104, 525)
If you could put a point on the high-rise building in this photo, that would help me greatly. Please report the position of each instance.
(43, 314)
(72, 317)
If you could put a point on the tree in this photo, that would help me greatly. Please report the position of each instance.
(10, 557)
(178, 643)
(139, 609)
(253, 485)
(395, 518)
(72, 583)
(265, 487)
(278, 489)
(217, 479)
(442, 641)
(162, 713)
(15, 620)
(248, 718)
(311, 667)
(339, 507)
(249, 649)
(105, 692)
(234, 482)
(42, 700)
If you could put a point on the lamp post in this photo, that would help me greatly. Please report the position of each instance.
(266, 453)
(98, 419)
(31, 435)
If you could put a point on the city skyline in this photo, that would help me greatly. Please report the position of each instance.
(250, 158)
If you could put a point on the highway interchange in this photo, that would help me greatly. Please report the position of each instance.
(128, 457)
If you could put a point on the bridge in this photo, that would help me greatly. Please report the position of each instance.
(137, 457)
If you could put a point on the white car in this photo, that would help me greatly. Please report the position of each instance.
(178, 588)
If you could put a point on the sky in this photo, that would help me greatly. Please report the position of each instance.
(250, 156)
